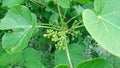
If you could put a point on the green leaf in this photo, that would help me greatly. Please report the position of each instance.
(95, 63)
(11, 3)
(64, 3)
(78, 9)
(75, 54)
(32, 58)
(12, 59)
(83, 1)
(104, 24)
(53, 18)
(2, 66)
(22, 23)
(61, 66)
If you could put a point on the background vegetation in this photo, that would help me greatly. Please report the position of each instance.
(59, 33)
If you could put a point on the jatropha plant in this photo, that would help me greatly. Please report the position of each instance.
(53, 33)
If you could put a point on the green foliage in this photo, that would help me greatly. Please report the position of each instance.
(75, 54)
(95, 63)
(3, 10)
(103, 24)
(83, 1)
(32, 58)
(6, 59)
(64, 3)
(23, 25)
(11, 3)
(59, 33)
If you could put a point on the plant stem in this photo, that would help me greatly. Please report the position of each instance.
(69, 59)
(65, 13)
(47, 27)
(59, 11)
(68, 54)
(51, 25)
(72, 18)
(38, 3)
(78, 26)
(43, 27)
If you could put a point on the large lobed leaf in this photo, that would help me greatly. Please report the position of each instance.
(22, 23)
(104, 24)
